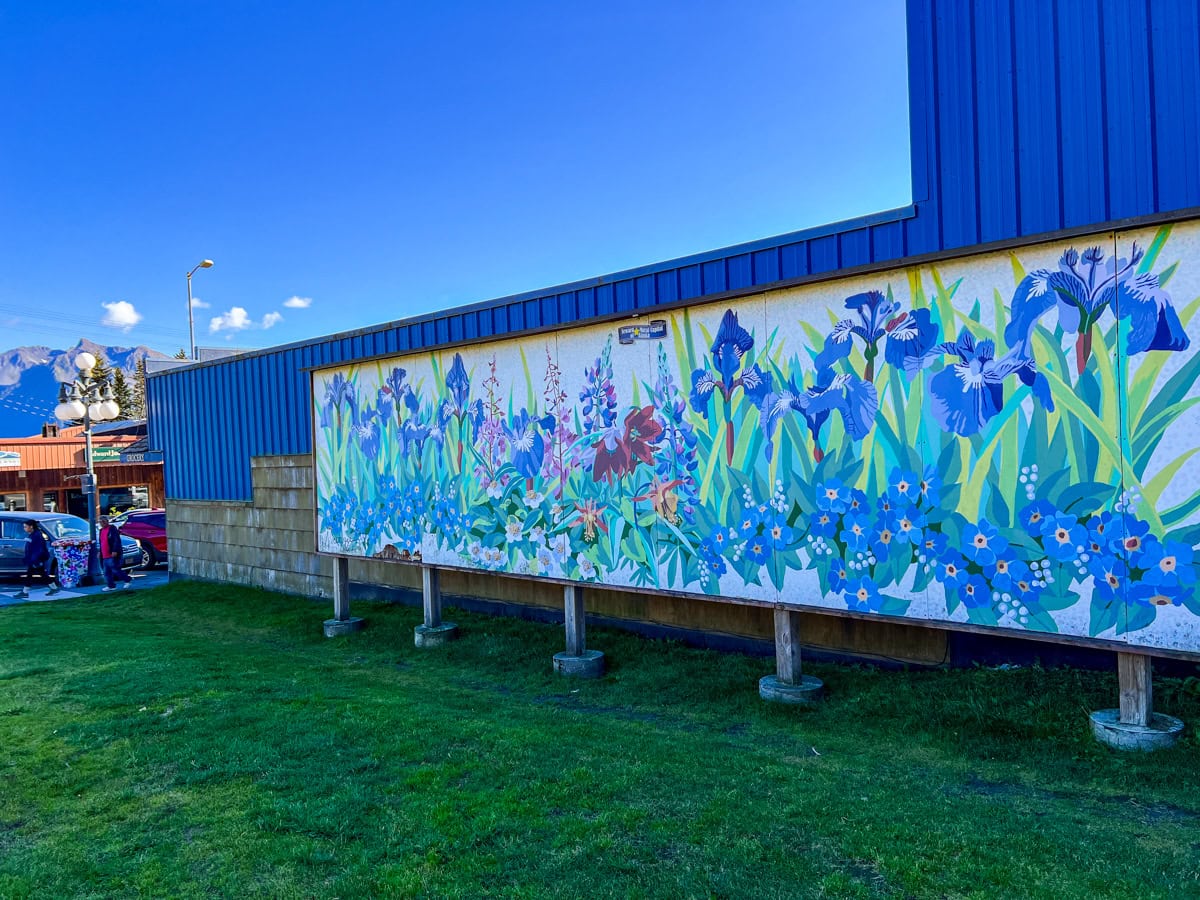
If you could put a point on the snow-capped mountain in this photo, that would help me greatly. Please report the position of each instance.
(29, 379)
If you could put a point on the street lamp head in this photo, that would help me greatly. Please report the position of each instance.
(110, 409)
(206, 263)
(84, 361)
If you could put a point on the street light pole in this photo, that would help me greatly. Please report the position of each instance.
(88, 400)
(203, 264)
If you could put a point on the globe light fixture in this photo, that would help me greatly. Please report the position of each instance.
(87, 400)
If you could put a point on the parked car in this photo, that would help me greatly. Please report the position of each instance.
(149, 528)
(54, 526)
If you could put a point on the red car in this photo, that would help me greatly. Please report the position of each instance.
(149, 528)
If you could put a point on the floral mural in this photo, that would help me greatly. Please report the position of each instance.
(1004, 441)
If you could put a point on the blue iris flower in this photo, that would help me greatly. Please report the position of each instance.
(731, 344)
(1086, 285)
(910, 338)
(459, 385)
(367, 432)
(400, 392)
(968, 393)
(854, 399)
(874, 313)
(528, 445)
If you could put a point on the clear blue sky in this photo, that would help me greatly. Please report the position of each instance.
(387, 159)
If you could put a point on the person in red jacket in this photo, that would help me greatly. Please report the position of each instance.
(111, 556)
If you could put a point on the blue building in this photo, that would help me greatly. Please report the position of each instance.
(1034, 126)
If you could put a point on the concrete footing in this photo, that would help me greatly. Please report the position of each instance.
(589, 664)
(806, 690)
(1159, 732)
(337, 627)
(435, 635)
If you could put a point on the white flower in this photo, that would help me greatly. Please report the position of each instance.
(586, 568)
(495, 489)
(533, 499)
(544, 557)
(476, 550)
(513, 531)
(536, 533)
(561, 545)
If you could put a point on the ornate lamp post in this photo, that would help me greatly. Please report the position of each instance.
(203, 264)
(88, 400)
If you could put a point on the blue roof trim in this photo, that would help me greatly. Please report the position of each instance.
(632, 289)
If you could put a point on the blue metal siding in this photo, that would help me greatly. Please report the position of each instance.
(1026, 117)
(1175, 72)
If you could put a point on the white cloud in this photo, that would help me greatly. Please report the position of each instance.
(236, 319)
(271, 318)
(298, 302)
(121, 314)
(197, 303)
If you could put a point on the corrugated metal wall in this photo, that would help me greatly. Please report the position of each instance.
(1027, 117)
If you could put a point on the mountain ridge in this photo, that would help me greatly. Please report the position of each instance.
(30, 375)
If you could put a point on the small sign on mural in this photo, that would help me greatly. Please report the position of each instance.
(654, 330)
(10, 459)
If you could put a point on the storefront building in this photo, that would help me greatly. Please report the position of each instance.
(42, 474)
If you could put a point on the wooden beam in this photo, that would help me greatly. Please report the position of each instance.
(1137, 691)
(574, 620)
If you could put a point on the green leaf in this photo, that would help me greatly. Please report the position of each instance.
(1088, 420)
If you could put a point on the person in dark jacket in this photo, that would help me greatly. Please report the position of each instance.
(37, 560)
(111, 556)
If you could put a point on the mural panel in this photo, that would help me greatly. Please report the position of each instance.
(1004, 441)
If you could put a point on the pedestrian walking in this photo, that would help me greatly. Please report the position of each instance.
(111, 556)
(37, 561)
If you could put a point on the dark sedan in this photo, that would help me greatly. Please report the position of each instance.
(53, 526)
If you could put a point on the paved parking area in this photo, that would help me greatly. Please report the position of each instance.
(9, 588)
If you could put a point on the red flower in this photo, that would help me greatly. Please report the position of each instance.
(618, 454)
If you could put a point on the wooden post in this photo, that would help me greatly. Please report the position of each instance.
(574, 620)
(789, 684)
(431, 585)
(787, 646)
(341, 589)
(577, 660)
(1137, 692)
(342, 622)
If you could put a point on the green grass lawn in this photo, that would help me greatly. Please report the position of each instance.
(198, 740)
